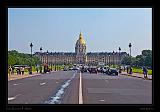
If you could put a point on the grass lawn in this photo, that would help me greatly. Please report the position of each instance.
(139, 70)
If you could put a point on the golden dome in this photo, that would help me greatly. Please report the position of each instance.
(81, 40)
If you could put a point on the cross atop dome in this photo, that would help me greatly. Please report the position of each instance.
(80, 35)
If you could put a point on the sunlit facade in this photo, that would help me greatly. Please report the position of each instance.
(80, 56)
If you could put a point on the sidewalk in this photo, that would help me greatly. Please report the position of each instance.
(138, 75)
(15, 76)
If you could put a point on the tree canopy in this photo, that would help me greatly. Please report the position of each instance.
(145, 59)
(16, 58)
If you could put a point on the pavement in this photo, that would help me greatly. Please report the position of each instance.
(15, 76)
(72, 87)
(138, 75)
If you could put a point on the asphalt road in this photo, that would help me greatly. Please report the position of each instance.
(105, 89)
(70, 87)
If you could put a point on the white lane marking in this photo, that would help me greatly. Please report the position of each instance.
(12, 98)
(80, 90)
(56, 99)
(17, 84)
(42, 83)
(107, 81)
(102, 100)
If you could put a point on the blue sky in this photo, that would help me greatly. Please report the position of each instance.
(57, 29)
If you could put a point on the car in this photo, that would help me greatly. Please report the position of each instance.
(70, 68)
(20, 66)
(65, 69)
(93, 70)
(104, 70)
(83, 69)
(75, 68)
(112, 71)
(100, 69)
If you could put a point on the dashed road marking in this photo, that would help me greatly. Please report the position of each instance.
(56, 99)
(12, 98)
(17, 84)
(102, 100)
(106, 81)
(42, 83)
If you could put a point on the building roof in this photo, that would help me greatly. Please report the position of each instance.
(81, 40)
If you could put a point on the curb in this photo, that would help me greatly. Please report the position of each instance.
(26, 77)
(136, 76)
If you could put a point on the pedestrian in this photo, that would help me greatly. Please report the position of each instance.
(145, 71)
(30, 70)
(13, 70)
(44, 68)
(130, 70)
(23, 71)
(124, 68)
(19, 70)
(120, 69)
(37, 69)
(10, 70)
(127, 69)
(40, 69)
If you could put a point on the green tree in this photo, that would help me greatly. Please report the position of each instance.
(140, 60)
(147, 57)
(126, 60)
(21, 58)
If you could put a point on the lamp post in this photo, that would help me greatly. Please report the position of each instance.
(31, 45)
(41, 60)
(41, 49)
(109, 60)
(41, 53)
(113, 59)
(130, 52)
(47, 57)
(119, 56)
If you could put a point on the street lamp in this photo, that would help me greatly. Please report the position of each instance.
(130, 52)
(113, 58)
(41, 53)
(109, 60)
(41, 60)
(31, 45)
(119, 55)
(47, 57)
(130, 48)
(41, 49)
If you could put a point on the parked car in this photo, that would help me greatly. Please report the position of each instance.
(83, 69)
(93, 70)
(70, 68)
(75, 68)
(100, 69)
(104, 70)
(112, 71)
(65, 69)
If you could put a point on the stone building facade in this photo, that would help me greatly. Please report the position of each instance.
(80, 56)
